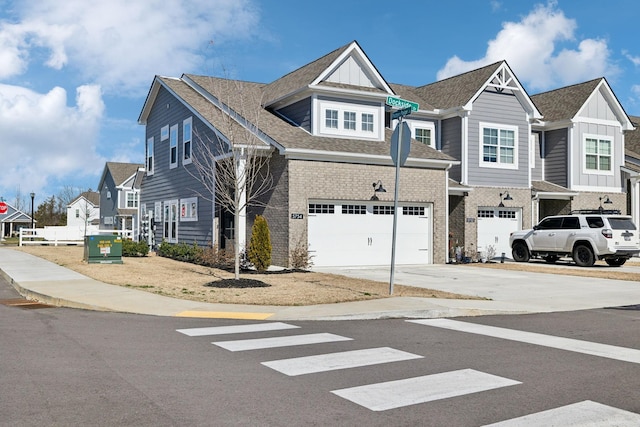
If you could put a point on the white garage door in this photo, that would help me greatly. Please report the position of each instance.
(356, 233)
(494, 227)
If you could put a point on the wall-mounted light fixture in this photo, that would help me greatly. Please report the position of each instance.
(377, 188)
(607, 200)
(506, 197)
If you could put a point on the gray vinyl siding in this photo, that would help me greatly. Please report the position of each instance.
(451, 144)
(536, 172)
(299, 113)
(555, 157)
(108, 205)
(498, 109)
(596, 180)
(174, 184)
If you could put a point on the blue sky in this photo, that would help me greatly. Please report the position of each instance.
(74, 74)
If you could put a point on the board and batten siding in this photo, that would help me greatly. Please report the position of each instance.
(174, 184)
(299, 113)
(499, 109)
(555, 156)
(583, 179)
(536, 147)
(451, 144)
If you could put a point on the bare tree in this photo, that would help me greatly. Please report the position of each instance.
(233, 163)
(20, 201)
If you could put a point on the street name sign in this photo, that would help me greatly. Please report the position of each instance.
(396, 102)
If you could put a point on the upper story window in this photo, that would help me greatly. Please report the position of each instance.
(150, 156)
(367, 122)
(499, 146)
(173, 147)
(331, 119)
(598, 154)
(132, 199)
(186, 141)
(423, 135)
(349, 120)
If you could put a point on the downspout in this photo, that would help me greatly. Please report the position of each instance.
(446, 216)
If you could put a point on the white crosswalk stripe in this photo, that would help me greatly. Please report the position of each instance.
(236, 329)
(585, 413)
(595, 349)
(411, 391)
(342, 360)
(261, 343)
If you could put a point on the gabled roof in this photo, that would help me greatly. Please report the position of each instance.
(15, 215)
(458, 90)
(196, 93)
(317, 72)
(567, 102)
(120, 172)
(92, 197)
(564, 103)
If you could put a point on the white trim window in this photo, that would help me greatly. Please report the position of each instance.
(186, 141)
(131, 199)
(598, 155)
(498, 146)
(349, 120)
(164, 133)
(173, 147)
(189, 209)
(423, 135)
(150, 156)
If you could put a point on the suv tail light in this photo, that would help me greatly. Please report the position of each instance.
(607, 233)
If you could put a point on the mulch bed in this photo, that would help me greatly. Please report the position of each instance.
(237, 284)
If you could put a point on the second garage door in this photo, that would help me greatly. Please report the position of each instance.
(494, 227)
(355, 233)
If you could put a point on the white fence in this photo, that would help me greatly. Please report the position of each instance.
(64, 235)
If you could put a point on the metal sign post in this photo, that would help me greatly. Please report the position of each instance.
(400, 146)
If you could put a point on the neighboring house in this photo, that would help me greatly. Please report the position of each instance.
(84, 210)
(12, 220)
(328, 131)
(119, 190)
(631, 169)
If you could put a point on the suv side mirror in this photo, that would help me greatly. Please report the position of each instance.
(536, 227)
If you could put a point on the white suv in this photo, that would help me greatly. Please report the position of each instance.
(585, 236)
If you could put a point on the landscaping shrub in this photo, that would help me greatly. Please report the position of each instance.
(259, 253)
(134, 249)
(180, 251)
(300, 257)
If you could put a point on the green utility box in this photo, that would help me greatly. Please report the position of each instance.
(103, 249)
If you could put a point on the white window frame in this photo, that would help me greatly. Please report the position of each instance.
(173, 145)
(135, 199)
(189, 209)
(611, 156)
(430, 126)
(498, 164)
(150, 162)
(342, 108)
(164, 133)
(349, 120)
(367, 126)
(187, 145)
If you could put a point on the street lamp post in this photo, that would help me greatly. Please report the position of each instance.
(32, 196)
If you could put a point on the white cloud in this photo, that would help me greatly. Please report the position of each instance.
(530, 46)
(121, 44)
(44, 138)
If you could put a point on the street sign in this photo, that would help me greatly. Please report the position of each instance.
(401, 134)
(3, 208)
(402, 103)
(401, 113)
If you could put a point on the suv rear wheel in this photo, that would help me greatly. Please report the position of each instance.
(583, 255)
(615, 262)
(520, 252)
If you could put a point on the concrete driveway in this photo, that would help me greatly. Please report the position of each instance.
(510, 291)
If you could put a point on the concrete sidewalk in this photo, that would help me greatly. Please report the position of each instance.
(511, 292)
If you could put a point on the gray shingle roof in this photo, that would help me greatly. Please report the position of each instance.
(92, 196)
(632, 138)
(122, 171)
(285, 134)
(548, 187)
(458, 90)
(564, 103)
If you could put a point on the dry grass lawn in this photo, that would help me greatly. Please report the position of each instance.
(187, 281)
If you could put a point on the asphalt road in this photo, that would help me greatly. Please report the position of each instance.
(72, 367)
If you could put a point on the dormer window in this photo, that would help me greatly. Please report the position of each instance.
(331, 119)
(349, 120)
